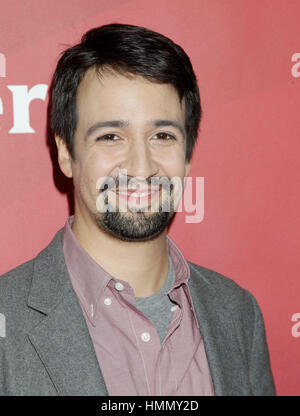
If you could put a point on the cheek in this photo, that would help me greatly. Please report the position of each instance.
(90, 171)
(175, 166)
(100, 166)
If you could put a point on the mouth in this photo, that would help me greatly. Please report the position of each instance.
(138, 197)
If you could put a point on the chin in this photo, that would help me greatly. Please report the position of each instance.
(137, 227)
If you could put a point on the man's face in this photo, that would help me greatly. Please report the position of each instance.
(133, 129)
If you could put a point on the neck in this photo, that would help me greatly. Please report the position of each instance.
(144, 265)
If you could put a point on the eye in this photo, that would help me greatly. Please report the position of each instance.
(164, 137)
(108, 138)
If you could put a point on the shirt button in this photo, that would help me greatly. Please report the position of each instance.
(174, 308)
(107, 301)
(119, 286)
(145, 336)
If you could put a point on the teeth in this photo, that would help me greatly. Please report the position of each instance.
(135, 194)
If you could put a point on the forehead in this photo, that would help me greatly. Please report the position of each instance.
(111, 94)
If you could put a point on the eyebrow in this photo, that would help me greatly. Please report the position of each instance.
(124, 123)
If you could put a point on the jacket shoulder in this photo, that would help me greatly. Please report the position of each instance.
(14, 313)
(223, 300)
(223, 288)
(15, 283)
(18, 280)
(216, 280)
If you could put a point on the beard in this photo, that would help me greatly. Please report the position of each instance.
(138, 225)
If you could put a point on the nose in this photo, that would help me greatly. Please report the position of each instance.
(139, 161)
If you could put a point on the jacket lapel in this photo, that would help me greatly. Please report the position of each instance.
(61, 338)
(227, 364)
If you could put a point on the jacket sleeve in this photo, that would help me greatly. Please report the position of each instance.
(261, 377)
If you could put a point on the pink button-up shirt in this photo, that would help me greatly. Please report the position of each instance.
(131, 357)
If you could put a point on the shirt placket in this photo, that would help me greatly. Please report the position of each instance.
(147, 341)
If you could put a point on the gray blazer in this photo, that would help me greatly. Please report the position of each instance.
(46, 348)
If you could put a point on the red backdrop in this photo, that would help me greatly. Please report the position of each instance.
(246, 54)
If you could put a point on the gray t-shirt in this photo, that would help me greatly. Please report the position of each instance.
(158, 306)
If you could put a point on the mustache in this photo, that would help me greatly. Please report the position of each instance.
(111, 182)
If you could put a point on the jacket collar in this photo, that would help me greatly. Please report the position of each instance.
(50, 280)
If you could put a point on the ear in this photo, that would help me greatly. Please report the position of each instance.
(64, 157)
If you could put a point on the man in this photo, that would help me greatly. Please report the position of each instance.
(111, 307)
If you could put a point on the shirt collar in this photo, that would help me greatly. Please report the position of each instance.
(90, 279)
(182, 272)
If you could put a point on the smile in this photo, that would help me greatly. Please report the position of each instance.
(138, 196)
